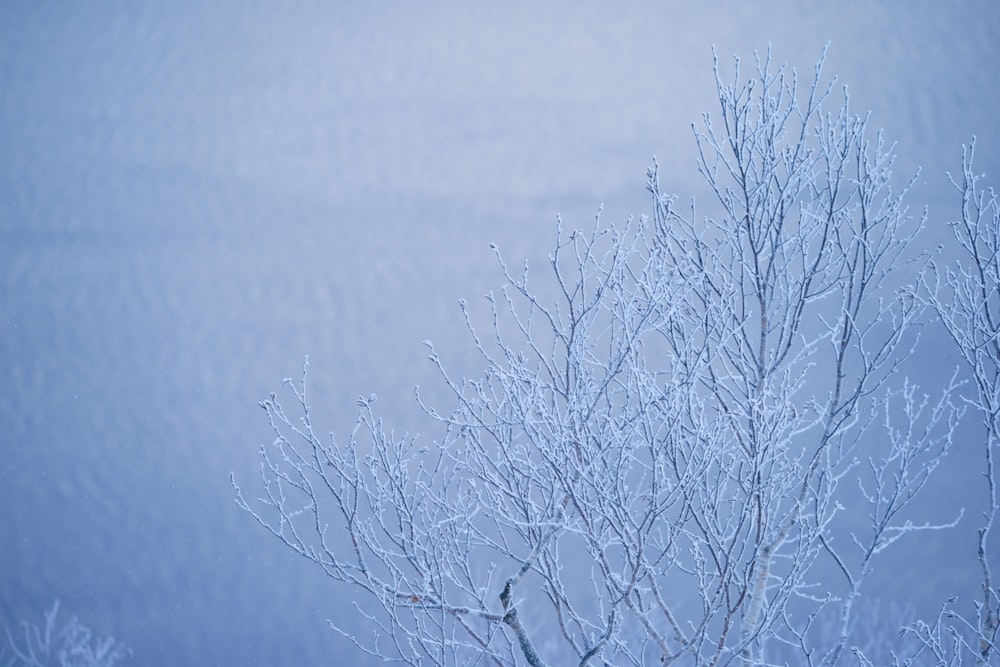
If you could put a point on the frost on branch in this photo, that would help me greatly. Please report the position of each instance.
(660, 463)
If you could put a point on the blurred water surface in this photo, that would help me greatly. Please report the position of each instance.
(193, 197)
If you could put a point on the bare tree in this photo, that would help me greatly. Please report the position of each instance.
(70, 644)
(967, 299)
(664, 463)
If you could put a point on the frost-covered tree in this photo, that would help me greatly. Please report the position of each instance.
(966, 296)
(666, 462)
(69, 644)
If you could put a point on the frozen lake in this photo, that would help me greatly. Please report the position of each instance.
(192, 199)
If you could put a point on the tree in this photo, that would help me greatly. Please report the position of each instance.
(72, 645)
(966, 296)
(665, 464)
